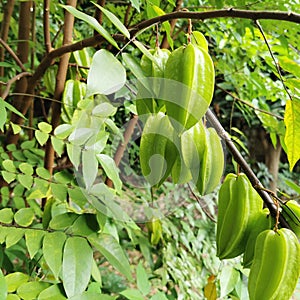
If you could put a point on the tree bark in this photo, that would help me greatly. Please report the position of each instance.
(7, 13)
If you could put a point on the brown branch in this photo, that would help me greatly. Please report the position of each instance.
(244, 166)
(59, 88)
(165, 43)
(126, 16)
(11, 81)
(12, 54)
(122, 146)
(97, 39)
(46, 21)
(223, 13)
(5, 25)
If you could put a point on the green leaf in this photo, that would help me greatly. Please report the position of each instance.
(3, 233)
(26, 168)
(110, 169)
(89, 167)
(136, 4)
(84, 225)
(62, 221)
(96, 274)
(228, 278)
(12, 109)
(6, 215)
(53, 244)
(3, 286)
(24, 216)
(43, 173)
(25, 180)
(92, 296)
(16, 128)
(104, 110)
(41, 137)
(31, 290)
(36, 194)
(74, 153)
(159, 296)
(63, 131)
(144, 50)
(112, 72)
(63, 177)
(45, 127)
(143, 283)
(13, 236)
(3, 114)
(53, 292)
(58, 145)
(133, 65)
(81, 135)
(112, 251)
(34, 240)
(292, 134)
(114, 20)
(8, 177)
(9, 165)
(92, 22)
(59, 191)
(132, 294)
(77, 265)
(14, 280)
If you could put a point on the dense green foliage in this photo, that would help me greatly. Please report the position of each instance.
(77, 218)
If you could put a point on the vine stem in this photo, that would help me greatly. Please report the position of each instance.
(246, 168)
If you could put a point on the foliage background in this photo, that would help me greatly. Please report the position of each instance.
(46, 220)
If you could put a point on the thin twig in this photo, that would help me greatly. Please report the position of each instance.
(202, 205)
(273, 58)
(123, 144)
(13, 55)
(249, 104)
(11, 81)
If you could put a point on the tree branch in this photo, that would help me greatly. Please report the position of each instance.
(12, 54)
(11, 81)
(246, 168)
(46, 21)
(223, 13)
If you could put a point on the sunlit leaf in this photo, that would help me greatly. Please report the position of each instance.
(34, 240)
(112, 251)
(114, 20)
(26, 168)
(142, 279)
(24, 216)
(13, 236)
(14, 280)
(6, 215)
(292, 135)
(53, 244)
(92, 22)
(77, 265)
(31, 290)
(89, 167)
(45, 127)
(41, 137)
(3, 286)
(106, 76)
(132, 294)
(52, 292)
(110, 169)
